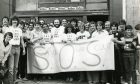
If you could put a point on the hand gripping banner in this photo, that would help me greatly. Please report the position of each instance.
(89, 55)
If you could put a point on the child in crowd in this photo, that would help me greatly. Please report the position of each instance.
(129, 55)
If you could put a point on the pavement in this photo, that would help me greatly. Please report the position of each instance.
(47, 82)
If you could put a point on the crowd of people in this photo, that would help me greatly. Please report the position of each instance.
(16, 35)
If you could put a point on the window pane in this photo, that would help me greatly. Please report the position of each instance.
(26, 5)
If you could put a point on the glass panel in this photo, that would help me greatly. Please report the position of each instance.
(97, 6)
(47, 5)
(75, 0)
(96, 0)
(26, 5)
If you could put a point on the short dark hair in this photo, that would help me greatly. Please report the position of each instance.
(31, 23)
(137, 27)
(122, 22)
(101, 23)
(8, 33)
(22, 23)
(74, 20)
(14, 19)
(6, 18)
(69, 26)
(92, 22)
(115, 24)
(37, 23)
(128, 27)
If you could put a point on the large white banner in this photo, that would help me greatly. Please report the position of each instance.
(90, 55)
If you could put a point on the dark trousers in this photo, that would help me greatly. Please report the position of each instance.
(22, 65)
(129, 66)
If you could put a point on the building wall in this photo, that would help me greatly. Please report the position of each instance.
(115, 10)
(4, 8)
(133, 12)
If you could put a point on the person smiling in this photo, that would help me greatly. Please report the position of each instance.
(5, 49)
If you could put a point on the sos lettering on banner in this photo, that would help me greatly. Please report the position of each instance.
(92, 55)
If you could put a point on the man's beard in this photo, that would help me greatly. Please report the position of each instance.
(57, 25)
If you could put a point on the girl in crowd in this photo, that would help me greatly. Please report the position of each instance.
(5, 49)
(16, 42)
(69, 37)
(100, 33)
(92, 76)
(129, 55)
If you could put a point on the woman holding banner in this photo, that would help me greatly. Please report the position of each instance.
(99, 34)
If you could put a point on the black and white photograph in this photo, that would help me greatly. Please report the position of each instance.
(69, 41)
